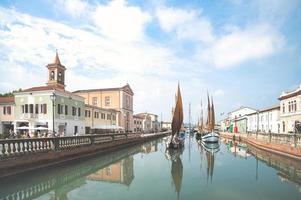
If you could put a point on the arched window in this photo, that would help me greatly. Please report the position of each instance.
(60, 76)
(295, 105)
(52, 75)
(283, 127)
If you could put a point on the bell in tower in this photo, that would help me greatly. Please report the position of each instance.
(56, 73)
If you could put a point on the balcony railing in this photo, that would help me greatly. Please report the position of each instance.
(16, 147)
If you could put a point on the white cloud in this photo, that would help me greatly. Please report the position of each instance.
(121, 22)
(187, 24)
(75, 7)
(241, 45)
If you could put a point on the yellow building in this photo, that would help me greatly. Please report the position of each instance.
(120, 99)
(100, 120)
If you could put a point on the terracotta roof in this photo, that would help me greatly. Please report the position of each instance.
(104, 89)
(138, 116)
(4, 100)
(47, 88)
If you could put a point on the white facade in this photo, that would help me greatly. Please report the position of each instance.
(242, 111)
(290, 111)
(166, 125)
(266, 121)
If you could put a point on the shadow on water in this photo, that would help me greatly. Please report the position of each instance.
(58, 181)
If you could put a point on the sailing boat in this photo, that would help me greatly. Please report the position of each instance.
(211, 136)
(201, 122)
(176, 141)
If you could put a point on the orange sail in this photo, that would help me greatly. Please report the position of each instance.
(208, 124)
(177, 118)
(212, 121)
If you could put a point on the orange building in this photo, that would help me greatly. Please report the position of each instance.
(120, 99)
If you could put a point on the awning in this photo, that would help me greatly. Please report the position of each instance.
(108, 127)
(40, 128)
(23, 128)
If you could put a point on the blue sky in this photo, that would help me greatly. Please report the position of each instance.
(245, 53)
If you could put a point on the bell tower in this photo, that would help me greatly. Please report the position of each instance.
(56, 73)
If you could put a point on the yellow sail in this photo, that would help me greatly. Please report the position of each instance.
(177, 118)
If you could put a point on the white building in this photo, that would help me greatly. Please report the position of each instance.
(266, 120)
(238, 119)
(290, 111)
(150, 122)
(166, 125)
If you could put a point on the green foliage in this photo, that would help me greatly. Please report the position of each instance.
(10, 94)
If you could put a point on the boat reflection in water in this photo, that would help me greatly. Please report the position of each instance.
(210, 150)
(176, 167)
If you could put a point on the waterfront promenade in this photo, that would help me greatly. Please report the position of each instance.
(283, 144)
(20, 155)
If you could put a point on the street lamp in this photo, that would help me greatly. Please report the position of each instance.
(53, 97)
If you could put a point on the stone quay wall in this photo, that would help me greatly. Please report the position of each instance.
(21, 155)
(283, 144)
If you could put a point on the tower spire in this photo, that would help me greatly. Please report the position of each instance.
(57, 59)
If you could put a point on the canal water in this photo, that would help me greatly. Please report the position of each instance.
(231, 170)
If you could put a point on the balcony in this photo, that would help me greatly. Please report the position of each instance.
(29, 116)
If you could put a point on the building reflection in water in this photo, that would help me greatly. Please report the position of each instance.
(288, 169)
(209, 150)
(237, 148)
(121, 172)
(176, 168)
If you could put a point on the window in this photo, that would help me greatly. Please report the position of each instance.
(107, 101)
(58, 108)
(26, 108)
(94, 101)
(4, 110)
(66, 110)
(108, 116)
(295, 105)
(23, 108)
(283, 108)
(8, 110)
(96, 115)
(60, 76)
(73, 111)
(30, 108)
(289, 106)
(79, 113)
(86, 113)
(52, 75)
(103, 115)
(283, 126)
(44, 108)
(37, 108)
(114, 117)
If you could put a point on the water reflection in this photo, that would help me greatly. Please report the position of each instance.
(176, 168)
(57, 182)
(121, 172)
(288, 169)
(209, 150)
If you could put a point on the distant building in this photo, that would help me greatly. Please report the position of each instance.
(120, 99)
(100, 120)
(7, 109)
(290, 111)
(150, 122)
(44, 108)
(166, 125)
(138, 123)
(238, 119)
